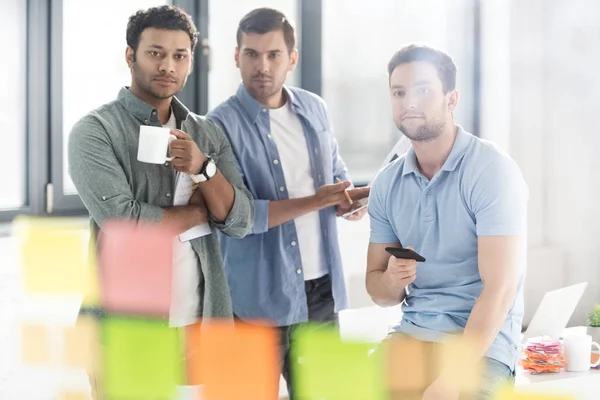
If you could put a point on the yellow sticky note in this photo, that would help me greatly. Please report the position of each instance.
(509, 393)
(53, 255)
(456, 360)
(73, 396)
(91, 285)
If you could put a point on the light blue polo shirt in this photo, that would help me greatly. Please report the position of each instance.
(479, 191)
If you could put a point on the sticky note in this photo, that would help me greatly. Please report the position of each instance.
(52, 255)
(409, 364)
(91, 285)
(73, 396)
(456, 357)
(136, 264)
(141, 359)
(82, 344)
(330, 368)
(509, 393)
(236, 362)
(35, 344)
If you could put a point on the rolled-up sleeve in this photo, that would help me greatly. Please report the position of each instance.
(240, 219)
(99, 178)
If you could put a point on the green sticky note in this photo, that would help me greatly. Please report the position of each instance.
(142, 359)
(328, 368)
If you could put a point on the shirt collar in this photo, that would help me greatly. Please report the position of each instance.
(459, 148)
(253, 108)
(145, 112)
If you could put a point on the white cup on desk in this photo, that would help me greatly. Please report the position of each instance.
(578, 352)
(153, 144)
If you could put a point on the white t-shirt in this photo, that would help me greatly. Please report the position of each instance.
(184, 287)
(289, 138)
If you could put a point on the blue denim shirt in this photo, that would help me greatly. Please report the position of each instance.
(264, 269)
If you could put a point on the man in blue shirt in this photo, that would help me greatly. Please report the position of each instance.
(288, 270)
(461, 203)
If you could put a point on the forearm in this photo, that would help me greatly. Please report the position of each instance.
(219, 196)
(282, 211)
(183, 218)
(380, 292)
(486, 319)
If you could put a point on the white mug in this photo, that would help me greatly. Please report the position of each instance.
(578, 352)
(153, 144)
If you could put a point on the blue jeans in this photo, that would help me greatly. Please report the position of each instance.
(494, 374)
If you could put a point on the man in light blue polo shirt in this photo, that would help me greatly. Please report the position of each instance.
(460, 202)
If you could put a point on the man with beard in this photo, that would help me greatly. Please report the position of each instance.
(288, 270)
(113, 184)
(460, 202)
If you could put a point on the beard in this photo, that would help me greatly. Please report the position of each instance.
(144, 83)
(264, 91)
(426, 132)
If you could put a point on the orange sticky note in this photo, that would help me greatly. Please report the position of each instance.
(35, 344)
(136, 263)
(192, 335)
(82, 344)
(410, 364)
(238, 362)
(52, 254)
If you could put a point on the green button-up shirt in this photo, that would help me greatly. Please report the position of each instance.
(112, 184)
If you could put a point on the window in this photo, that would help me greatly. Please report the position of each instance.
(224, 17)
(358, 41)
(94, 67)
(13, 129)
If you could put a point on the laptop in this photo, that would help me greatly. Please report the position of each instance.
(554, 312)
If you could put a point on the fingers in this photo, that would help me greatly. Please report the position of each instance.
(181, 135)
(359, 193)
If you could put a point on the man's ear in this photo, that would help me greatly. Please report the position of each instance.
(236, 56)
(452, 101)
(293, 60)
(129, 56)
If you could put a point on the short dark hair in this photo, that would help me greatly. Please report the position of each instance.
(263, 20)
(440, 60)
(162, 17)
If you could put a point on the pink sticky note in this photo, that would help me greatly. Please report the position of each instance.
(135, 267)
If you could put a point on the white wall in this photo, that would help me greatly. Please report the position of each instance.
(544, 52)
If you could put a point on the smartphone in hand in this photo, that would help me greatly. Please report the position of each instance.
(407, 254)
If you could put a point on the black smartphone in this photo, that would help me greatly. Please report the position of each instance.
(406, 254)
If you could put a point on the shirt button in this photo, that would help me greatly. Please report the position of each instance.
(146, 121)
(428, 191)
(293, 243)
(270, 137)
(153, 112)
(168, 194)
(103, 197)
(264, 110)
(275, 162)
(298, 271)
(281, 188)
(167, 164)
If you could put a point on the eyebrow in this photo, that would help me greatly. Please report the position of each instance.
(159, 47)
(417, 83)
(269, 51)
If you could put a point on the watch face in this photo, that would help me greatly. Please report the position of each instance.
(211, 169)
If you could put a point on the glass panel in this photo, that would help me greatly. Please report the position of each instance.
(94, 67)
(224, 16)
(13, 134)
(358, 42)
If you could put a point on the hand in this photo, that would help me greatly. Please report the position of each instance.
(439, 391)
(345, 208)
(331, 195)
(400, 273)
(187, 156)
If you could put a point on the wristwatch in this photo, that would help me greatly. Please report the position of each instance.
(208, 170)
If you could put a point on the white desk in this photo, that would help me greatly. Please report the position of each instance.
(578, 385)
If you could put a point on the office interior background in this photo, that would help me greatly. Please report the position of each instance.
(527, 78)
